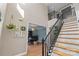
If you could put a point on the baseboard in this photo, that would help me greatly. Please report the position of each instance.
(21, 54)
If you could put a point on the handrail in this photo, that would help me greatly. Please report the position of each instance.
(44, 39)
(51, 29)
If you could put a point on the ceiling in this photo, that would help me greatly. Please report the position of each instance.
(55, 6)
(51, 6)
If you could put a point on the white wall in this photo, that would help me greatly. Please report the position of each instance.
(36, 14)
(51, 22)
(3, 12)
(76, 5)
(12, 44)
(70, 4)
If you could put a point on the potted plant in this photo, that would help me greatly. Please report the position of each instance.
(11, 26)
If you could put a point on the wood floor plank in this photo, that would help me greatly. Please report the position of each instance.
(35, 50)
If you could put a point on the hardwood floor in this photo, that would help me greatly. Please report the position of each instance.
(35, 50)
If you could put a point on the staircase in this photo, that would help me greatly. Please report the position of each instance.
(67, 43)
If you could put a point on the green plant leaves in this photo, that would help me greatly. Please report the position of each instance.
(11, 26)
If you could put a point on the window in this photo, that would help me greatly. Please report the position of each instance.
(21, 11)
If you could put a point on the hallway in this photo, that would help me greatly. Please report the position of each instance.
(35, 50)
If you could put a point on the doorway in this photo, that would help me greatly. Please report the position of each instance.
(35, 35)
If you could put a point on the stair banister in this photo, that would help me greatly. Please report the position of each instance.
(44, 49)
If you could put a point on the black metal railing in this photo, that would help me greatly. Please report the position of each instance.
(49, 41)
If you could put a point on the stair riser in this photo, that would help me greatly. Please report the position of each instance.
(67, 46)
(60, 53)
(70, 25)
(69, 20)
(53, 54)
(69, 29)
(68, 39)
(65, 51)
(69, 36)
(76, 32)
(74, 42)
(73, 22)
(74, 19)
